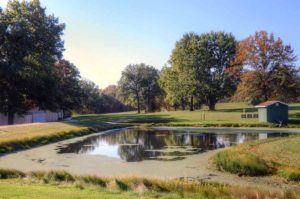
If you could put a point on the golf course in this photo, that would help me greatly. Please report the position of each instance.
(247, 169)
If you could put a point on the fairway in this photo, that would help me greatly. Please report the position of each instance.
(226, 113)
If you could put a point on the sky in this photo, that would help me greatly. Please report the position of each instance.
(103, 36)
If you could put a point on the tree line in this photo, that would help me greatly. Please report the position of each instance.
(33, 72)
(207, 68)
(203, 69)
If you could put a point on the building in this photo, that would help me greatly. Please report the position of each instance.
(273, 112)
(34, 115)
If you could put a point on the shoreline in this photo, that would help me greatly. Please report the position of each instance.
(198, 167)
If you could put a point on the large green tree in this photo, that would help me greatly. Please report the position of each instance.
(139, 85)
(30, 44)
(203, 63)
(174, 94)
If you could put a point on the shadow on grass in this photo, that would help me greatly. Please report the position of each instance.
(294, 108)
(294, 121)
(240, 110)
(109, 119)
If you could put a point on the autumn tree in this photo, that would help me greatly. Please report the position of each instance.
(202, 63)
(270, 71)
(30, 44)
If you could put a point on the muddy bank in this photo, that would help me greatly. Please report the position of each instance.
(194, 167)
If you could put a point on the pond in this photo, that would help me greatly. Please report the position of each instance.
(163, 144)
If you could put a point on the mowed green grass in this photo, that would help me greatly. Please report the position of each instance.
(225, 113)
(24, 189)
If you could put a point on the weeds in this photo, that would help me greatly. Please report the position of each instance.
(241, 163)
(290, 173)
(11, 173)
(137, 184)
(243, 160)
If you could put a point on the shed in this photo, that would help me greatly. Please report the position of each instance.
(273, 112)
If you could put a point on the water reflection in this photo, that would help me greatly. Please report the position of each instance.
(136, 144)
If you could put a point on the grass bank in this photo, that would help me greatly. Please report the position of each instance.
(15, 184)
(15, 138)
(278, 156)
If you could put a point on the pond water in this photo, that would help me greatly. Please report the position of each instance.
(137, 144)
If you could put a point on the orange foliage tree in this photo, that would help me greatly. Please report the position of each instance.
(269, 70)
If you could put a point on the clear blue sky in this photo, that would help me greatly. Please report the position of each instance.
(103, 36)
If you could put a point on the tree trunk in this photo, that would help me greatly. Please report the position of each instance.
(192, 104)
(10, 117)
(211, 104)
(138, 103)
(182, 104)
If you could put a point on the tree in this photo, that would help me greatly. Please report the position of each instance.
(112, 100)
(203, 64)
(111, 90)
(184, 62)
(69, 94)
(139, 84)
(272, 75)
(30, 45)
(169, 82)
(91, 100)
(151, 91)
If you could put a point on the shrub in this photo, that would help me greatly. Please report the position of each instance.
(94, 180)
(235, 161)
(291, 174)
(58, 176)
(11, 173)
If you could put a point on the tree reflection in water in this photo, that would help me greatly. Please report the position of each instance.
(135, 144)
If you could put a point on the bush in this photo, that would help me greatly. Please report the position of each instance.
(11, 173)
(94, 180)
(58, 176)
(291, 174)
(235, 161)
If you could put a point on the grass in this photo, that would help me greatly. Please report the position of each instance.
(15, 138)
(61, 184)
(226, 115)
(278, 156)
